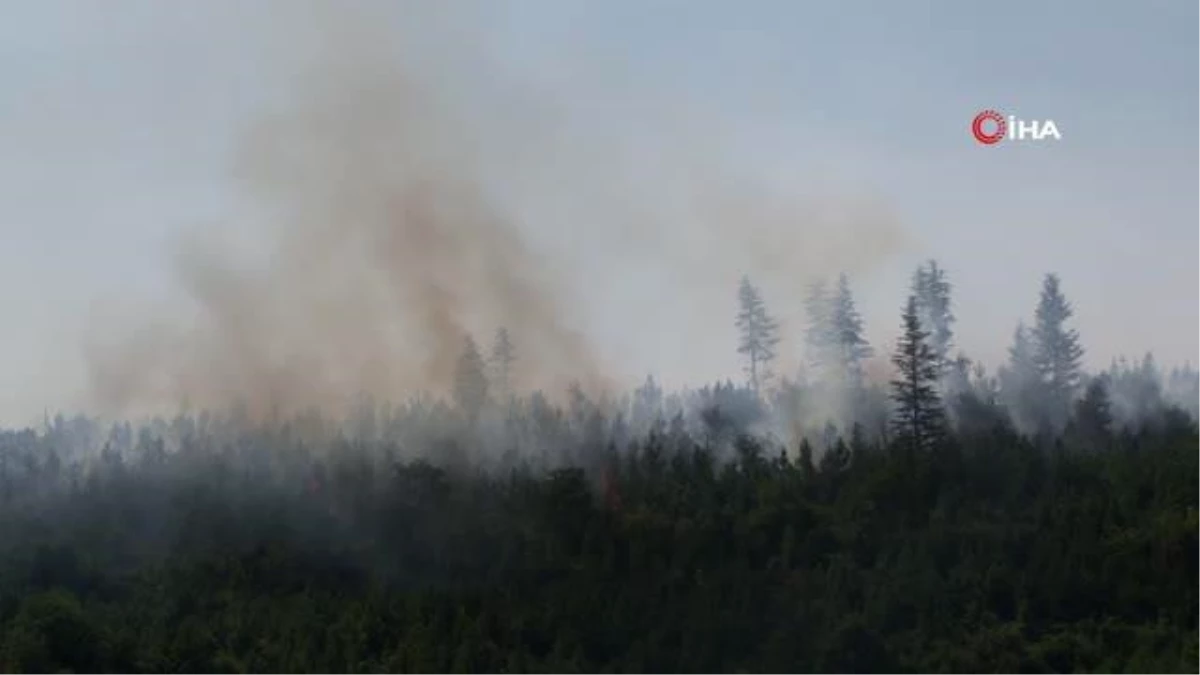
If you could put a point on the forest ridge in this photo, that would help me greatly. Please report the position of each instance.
(1038, 519)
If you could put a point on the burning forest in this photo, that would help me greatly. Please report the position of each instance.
(502, 362)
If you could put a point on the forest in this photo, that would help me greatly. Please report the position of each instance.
(945, 518)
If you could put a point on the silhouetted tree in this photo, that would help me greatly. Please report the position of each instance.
(919, 419)
(1057, 352)
(1093, 417)
(1020, 383)
(1137, 391)
(503, 356)
(647, 405)
(759, 334)
(932, 291)
(852, 347)
(820, 337)
(470, 381)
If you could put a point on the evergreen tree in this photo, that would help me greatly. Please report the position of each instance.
(1057, 352)
(1150, 388)
(1093, 413)
(919, 419)
(806, 458)
(1020, 382)
(647, 405)
(847, 331)
(932, 290)
(503, 356)
(836, 458)
(1137, 391)
(759, 334)
(820, 338)
(470, 381)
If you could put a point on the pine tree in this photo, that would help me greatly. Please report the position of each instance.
(919, 419)
(1150, 389)
(820, 337)
(847, 331)
(503, 356)
(759, 334)
(646, 406)
(1057, 352)
(836, 458)
(858, 440)
(470, 381)
(1093, 418)
(806, 458)
(1137, 390)
(932, 290)
(1020, 383)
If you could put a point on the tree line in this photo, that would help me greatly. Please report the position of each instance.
(947, 520)
(1037, 388)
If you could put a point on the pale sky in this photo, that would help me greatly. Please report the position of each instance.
(119, 120)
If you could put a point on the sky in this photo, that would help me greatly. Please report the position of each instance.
(628, 138)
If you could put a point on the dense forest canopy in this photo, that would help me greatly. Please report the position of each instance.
(1035, 518)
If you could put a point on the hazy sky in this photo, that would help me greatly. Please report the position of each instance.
(119, 123)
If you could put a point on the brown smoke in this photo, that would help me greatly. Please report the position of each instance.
(388, 243)
(386, 252)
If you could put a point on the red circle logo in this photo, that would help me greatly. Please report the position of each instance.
(980, 123)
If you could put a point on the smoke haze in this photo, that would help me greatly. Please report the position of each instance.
(389, 238)
(289, 203)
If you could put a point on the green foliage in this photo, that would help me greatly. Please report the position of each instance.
(988, 554)
(52, 633)
(1058, 352)
(931, 289)
(918, 417)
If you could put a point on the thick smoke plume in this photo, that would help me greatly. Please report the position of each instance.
(394, 214)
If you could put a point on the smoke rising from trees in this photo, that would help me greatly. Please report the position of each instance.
(397, 417)
(395, 214)
(401, 202)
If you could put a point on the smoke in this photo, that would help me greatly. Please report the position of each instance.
(403, 202)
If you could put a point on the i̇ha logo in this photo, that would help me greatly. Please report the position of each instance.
(990, 127)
